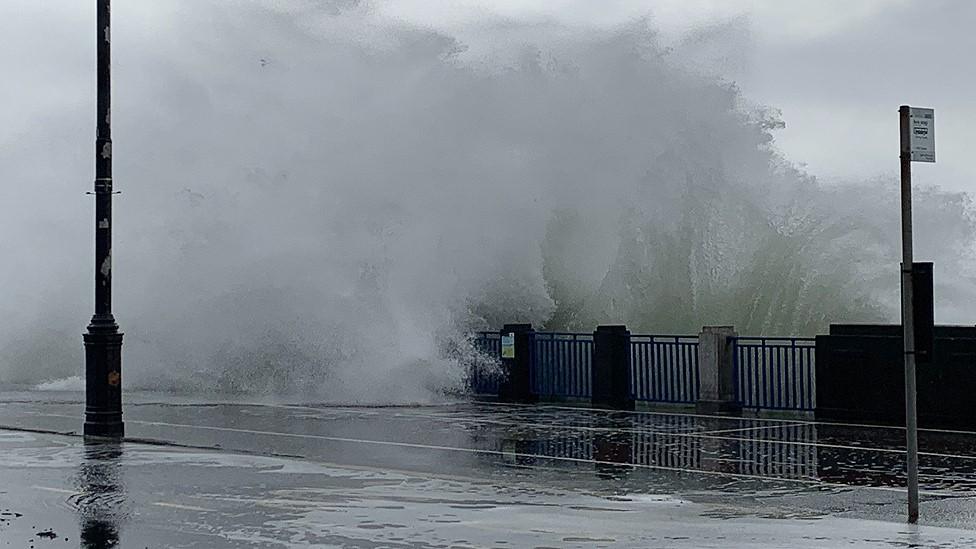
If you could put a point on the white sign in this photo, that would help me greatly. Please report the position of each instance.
(921, 127)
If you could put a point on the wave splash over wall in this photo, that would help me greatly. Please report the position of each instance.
(320, 202)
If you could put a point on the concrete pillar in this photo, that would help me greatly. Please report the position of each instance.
(516, 386)
(610, 368)
(716, 389)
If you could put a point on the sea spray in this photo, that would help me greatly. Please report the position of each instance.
(321, 203)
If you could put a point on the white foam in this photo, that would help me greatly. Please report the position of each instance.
(73, 383)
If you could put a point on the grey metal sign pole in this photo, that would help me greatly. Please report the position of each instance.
(907, 316)
(103, 341)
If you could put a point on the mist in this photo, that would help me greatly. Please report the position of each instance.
(322, 202)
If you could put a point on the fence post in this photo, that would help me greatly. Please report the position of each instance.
(716, 392)
(516, 386)
(610, 369)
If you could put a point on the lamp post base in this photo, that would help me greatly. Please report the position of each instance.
(104, 427)
(103, 379)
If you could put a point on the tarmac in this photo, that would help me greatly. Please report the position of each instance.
(203, 472)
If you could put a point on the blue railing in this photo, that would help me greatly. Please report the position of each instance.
(775, 373)
(664, 368)
(561, 365)
(486, 376)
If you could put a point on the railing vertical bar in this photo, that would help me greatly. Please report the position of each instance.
(547, 355)
(682, 373)
(651, 379)
(574, 372)
(744, 373)
(655, 374)
(553, 351)
(802, 377)
(562, 347)
(574, 367)
(672, 371)
(796, 369)
(580, 367)
(660, 359)
(674, 391)
(804, 374)
(736, 372)
(685, 372)
(584, 367)
(577, 359)
(645, 367)
(538, 373)
(637, 366)
(634, 371)
(653, 387)
(642, 371)
(666, 372)
(686, 362)
(553, 366)
(755, 364)
(668, 380)
(583, 370)
(567, 367)
(587, 379)
(541, 366)
(779, 376)
(764, 402)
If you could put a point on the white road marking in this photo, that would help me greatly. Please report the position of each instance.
(55, 490)
(159, 503)
(702, 434)
(185, 507)
(811, 482)
(662, 433)
(740, 430)
(769, 419)
(539, 456)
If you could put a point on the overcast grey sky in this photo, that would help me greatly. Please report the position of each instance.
(838, 69)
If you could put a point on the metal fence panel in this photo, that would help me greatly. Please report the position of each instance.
(561, 365)
(664, 368)
(486, 380)
(775, 373)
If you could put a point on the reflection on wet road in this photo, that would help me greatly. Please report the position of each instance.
(734, 448)
(546, 460)
(100, 500)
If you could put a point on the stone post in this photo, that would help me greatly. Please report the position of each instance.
(716, 390)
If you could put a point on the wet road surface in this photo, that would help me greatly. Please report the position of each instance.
(199, 474)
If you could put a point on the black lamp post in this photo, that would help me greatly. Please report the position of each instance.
(103, 341)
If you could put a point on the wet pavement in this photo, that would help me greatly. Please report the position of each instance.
(208, 474)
